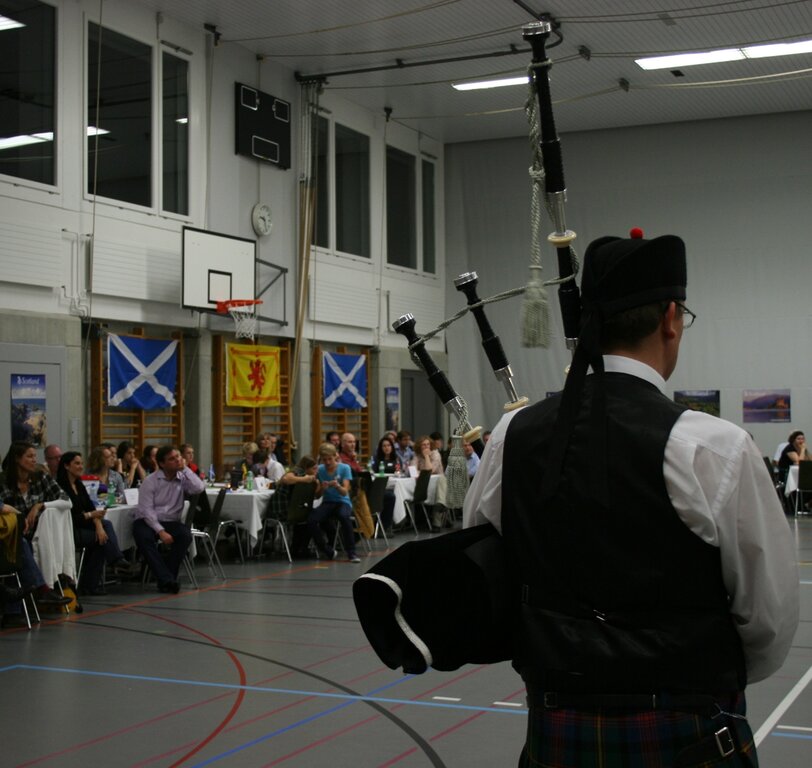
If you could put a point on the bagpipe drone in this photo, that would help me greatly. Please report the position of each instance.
(448, 601)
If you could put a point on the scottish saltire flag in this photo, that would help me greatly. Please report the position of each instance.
(345, 381)
(141, 373)
(253, 375)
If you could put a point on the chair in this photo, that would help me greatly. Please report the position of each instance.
(10, 570)
(237, 525)
(804, 485)
(300, 502)
(187, 563)
(421, 493)
(204, 519)
(375, 495)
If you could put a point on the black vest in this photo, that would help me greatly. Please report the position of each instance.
(618, 595)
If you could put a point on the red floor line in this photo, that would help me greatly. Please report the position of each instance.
(320, 741)
(398, 758)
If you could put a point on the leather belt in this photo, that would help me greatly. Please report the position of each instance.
(701, 704)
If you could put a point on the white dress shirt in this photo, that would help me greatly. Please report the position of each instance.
(719, 486)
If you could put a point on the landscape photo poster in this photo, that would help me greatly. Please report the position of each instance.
(705, 400)
(28, 411)
(764, 406)
(392, 405)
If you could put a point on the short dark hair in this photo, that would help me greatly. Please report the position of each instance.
(163, 452)
(630, 327)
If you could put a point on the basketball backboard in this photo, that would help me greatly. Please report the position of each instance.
(216, 268)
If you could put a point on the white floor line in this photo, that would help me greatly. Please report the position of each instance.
(445, 698)
(785, 704)
(792, 728)
(506, 704)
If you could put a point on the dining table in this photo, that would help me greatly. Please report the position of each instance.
(404, 491)
(246, 507)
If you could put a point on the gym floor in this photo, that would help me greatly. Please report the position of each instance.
(271, 667)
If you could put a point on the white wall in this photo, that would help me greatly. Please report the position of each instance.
(134, 275)
(738, 193)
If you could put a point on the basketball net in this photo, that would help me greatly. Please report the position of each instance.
(244, 315)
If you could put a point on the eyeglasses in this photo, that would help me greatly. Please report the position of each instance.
(688, 316)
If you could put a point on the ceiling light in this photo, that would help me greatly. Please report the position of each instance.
(675, 61)
(9, 142)
(478, 85)
(182, 120)
(7, 23)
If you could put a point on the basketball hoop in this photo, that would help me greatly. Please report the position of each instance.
(244, 314)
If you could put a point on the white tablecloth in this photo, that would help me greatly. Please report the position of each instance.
(792, 480)
(404, 490)
(53, 545)
(245, 506)
(121, 518)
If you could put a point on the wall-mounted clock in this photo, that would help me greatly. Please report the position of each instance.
(262, 219)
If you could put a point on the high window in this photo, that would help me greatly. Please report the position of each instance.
(429, 229)
(352, 191)
(27, 90)
(401, 210)
(175, 80)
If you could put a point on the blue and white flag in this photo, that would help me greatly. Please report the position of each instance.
(141, 373)
(345, 381)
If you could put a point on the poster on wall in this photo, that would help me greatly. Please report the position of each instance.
(705, 400)
(766, 406)
(28, 413)
(392, 406)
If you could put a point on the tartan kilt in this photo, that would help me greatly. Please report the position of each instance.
(568, 738)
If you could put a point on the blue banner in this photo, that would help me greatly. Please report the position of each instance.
(142, 373)
(345, 381)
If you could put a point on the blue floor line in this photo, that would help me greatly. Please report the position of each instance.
(785, 735)
(285, 691)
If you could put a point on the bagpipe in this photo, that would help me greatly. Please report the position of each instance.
(449, 601)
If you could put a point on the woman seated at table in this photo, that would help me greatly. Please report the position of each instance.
(131, 469)
(263, 463)
(148, 461)
(100, 463)
(425, 457)
(794, 452)
(385, 461)
(90, 530)
(303, 472)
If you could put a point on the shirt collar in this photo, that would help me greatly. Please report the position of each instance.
(632, 367)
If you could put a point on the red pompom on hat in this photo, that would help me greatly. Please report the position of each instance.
(635, 233)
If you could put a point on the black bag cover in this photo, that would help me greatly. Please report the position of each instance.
(440, 602)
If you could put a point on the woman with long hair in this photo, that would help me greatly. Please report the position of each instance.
(131, 468)
(386, 460)
(100, 463)
(148, 461)
(90, 530)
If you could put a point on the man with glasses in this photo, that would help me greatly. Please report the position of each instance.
(655, 570)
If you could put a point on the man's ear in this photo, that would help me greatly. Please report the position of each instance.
(668, 324)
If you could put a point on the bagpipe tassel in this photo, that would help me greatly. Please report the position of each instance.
(535, 312)
(456, 475)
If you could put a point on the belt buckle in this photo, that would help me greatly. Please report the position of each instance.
(550, 700)
(724, 741)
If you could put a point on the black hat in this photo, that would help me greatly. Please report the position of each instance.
(621, 274)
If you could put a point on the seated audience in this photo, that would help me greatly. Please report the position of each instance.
(438, 444)
(385, 460)
(52, 456)
(426, 457)
(187, 450)
(794, 452)
(334, 438)
(471, 458)
(148, 459)
(131, 469)
(100, 463)
(158, 516)
(264, 461)
(303, 472)
(403, 448)
(334, 490)
(90, 530)
(347, 454)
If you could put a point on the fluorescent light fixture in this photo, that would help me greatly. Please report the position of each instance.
(182, 120)
(9, 142)
(675, 61)
(7, 23)
(478, 85)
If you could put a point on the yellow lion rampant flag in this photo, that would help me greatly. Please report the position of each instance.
(253, 375)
